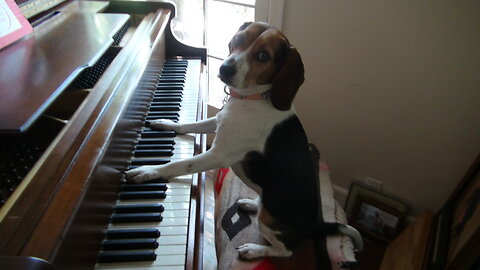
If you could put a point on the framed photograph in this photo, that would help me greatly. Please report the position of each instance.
(457, 234)
(374, 213)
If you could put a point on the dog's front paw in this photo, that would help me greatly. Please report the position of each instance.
(251, 251)
(248, 205)
(164, 124)
(142, 174)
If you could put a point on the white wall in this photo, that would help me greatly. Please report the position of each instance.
(392, 90)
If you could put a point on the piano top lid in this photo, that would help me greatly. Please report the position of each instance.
(37, 68)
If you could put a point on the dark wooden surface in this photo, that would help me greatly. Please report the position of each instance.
(113, 91)
(19, 263)
(44, 183)
(370, 258)
(35, 70)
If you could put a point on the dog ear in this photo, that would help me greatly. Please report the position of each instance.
(287, 81)
(243, 26)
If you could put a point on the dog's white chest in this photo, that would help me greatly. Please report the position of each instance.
(247, 123)
(244, 126)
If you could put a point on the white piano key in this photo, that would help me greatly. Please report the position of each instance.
(154, 267)
(177, 183)
(166, 222)
(168, 213)
(171, 249)
(178, 191)
(173, 230)
(162, 260)
(170, 206)
(171, 198)
(165, 230)
(168, 240)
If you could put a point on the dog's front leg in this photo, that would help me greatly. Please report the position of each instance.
(209, 160)
(204, 126)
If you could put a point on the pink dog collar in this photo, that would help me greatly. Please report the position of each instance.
(260, 96)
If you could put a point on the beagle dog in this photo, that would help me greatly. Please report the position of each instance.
(261, 138)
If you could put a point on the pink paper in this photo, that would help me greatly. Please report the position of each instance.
(13, 25)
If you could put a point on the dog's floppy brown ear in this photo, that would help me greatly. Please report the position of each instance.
(287, 81)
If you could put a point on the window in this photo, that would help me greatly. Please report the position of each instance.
(224, 17)
(212, 23)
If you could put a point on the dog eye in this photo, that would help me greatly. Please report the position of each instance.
(263, 57)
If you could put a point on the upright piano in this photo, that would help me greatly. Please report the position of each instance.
(74, 98)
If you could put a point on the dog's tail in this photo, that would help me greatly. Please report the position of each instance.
(332, 228)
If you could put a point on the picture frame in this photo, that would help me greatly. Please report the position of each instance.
(374, 213)
(456, 234)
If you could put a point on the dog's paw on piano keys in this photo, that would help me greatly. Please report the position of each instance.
(164, 124)
(143, 173)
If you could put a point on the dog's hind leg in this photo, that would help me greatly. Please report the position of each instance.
(276, 249)
(249, 205)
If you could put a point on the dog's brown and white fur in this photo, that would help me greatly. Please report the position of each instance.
(260, 137)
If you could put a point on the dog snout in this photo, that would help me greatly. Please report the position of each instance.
(227, 69)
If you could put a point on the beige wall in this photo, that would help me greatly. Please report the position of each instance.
(392, 90)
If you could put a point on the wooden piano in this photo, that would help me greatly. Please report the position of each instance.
(74, 98)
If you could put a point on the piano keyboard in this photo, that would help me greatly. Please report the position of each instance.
(148, 229)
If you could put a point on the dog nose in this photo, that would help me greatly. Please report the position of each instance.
(227, 69)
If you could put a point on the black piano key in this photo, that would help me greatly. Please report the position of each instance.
(119, 244)
(157, 134)
(168, 84)
(181, 75)
(142, 195)
(165, 108)
(173, 75)
(162, 95)
(155, 117)
(165, 103)
(142, 187)
(139, 208)
(136, 218)
(126, 256)
(154, 146)
(167, 98)
(144, 141)
(168, 92)
(175, 63)
(132, 233)
(173, 70)
(153, 153)
(149, 161)
(176, 113)
(172, 79)
(169, 88)
(181, 67)
(158, 180)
